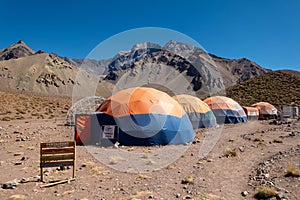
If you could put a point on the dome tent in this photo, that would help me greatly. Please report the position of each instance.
(251, 112)
(226, 110)
(266, 110)
(198, 111)
(146, 116)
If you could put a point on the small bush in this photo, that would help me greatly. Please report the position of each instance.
(188, 180)
(291, 172)
(230, 153)
(265, 193)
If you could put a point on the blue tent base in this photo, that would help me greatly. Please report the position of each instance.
(228, 117)
(202, 120)
(145, 130)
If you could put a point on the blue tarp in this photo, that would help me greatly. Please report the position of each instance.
(229, 116)
(150, 129)
(202, 120)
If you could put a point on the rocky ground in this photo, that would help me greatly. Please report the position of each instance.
(249, 160)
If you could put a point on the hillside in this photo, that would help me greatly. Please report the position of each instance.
(44, 74)
(277, 88)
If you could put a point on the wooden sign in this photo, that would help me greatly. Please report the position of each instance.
(56, 154)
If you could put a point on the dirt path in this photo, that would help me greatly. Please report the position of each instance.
(153, 172)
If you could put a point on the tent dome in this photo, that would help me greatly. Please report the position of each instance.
(146, 116)
(266, 109)
(226, 110)
(198, 111)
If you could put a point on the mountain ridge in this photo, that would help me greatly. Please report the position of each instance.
(180, 56)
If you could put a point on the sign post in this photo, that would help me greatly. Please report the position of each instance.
(56, 154)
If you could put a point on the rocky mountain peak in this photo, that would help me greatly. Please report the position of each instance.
(145, 45)
(16, 50)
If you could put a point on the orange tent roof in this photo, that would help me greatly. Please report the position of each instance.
(221, 102)
(140, 100)
(265, 108)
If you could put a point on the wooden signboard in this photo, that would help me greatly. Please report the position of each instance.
(56, 154)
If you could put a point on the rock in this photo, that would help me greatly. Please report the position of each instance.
(17, 197)
(151, 196)
(24, 180)
(18, 163)
(280, 196)
(244, 193)
(24, 158)
(37, 178)
(177, 195)
(10, 184)
(48, 170)
(61, 168)
(241, 149)
(2, 163)
(187, 197)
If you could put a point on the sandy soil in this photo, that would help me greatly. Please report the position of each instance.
(246, 156)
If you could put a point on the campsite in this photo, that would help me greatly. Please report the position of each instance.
(231, 170)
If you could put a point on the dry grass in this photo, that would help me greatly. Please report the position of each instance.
(142, 177)
(276, 87)
(116, 160)
(258, 139)
(138, 195)
(15, 106)
(230, 153)
(291, 172)
(188, 180)
(265, 193)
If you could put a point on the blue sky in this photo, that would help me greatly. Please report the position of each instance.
(265, 31)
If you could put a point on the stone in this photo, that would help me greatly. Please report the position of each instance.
(10, 184)
(244, 193)
(19, 163)
(17, 197)
(280, 196)
(177, 195)
(241, 149)
(187, 197)
(48, 170)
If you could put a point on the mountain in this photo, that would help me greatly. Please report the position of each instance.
(203, 71)
(276, 87)
(98, 67)
(17, 50)
(42, 73)
(175, 66)
(235, 71)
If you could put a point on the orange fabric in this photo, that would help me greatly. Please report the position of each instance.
(251, 111)
(221, 102)
(265, 108)
(191, 104)
(83, 129)
(140, 100)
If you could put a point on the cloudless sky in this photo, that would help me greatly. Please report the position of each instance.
(265, 31)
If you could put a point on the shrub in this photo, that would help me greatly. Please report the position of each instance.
(291, 172)
(230, 153)
(265, 193)
(188, 180)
